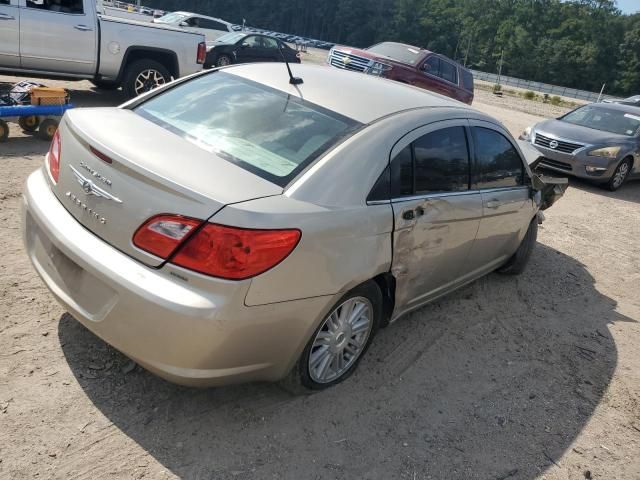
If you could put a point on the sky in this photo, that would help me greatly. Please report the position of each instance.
(629, 6)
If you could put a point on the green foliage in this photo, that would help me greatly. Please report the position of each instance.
(529, 95)
(556, 100)
(574, 43)
(497, 88)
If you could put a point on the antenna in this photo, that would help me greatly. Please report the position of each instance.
(292, 80)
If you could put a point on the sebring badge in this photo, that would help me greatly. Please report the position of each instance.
(91, 188)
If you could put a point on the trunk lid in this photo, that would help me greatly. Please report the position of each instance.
(152, 171)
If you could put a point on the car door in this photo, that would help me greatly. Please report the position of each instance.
(248, 49)
(436, 214)
(9, 34)
(507, 203)
(58, 36)
(429, 78)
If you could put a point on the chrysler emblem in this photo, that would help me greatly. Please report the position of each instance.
(346, 60)
(91, 188)
(553, 144)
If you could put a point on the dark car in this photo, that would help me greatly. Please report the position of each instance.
(408, 64)
(598, 142)
(243, 47)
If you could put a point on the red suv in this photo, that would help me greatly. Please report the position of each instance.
(408, 64)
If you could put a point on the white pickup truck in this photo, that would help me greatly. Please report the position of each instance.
(70, 39)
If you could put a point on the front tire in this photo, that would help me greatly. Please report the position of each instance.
(29, 124)
(339, 342)
(144, 75)
(517, 263)
(619, 175)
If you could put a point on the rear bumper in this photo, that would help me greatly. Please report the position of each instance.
(185, 333)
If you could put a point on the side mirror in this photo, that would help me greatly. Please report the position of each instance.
(184, 24)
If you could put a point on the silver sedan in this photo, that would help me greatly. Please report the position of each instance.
(233, 226)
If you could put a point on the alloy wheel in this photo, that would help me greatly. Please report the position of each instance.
(620, 174)
(223, 61)
(148, 80)
(340, 340)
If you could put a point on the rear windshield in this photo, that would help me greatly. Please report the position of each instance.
(263, 130)
(232, 37)
(605, 119)
(398, 52)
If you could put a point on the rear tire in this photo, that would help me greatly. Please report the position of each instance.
(29, 124)
(619, 176)
(4, 131)
(339, 343)
(517, 263)
(47, 129)
(144, 75)
(223, 60)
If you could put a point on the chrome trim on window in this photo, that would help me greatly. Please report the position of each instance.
(427, 196)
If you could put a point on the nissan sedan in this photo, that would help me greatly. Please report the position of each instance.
(234, 227)
(598, 142)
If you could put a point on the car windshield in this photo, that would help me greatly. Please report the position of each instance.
(173, 17)
(605, 119)
(397, 51)
(232, 37)
(263, 130)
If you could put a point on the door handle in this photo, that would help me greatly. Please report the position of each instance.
(4, 16)
(492, 203)
(83, 28)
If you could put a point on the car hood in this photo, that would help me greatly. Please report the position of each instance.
(569, 131)
(367, 54)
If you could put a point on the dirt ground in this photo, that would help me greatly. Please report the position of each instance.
(532, 377)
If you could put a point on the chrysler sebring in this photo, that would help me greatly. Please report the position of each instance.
(233, 226)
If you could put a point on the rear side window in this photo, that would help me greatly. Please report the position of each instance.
(467, 80)
(436, 162)
(263, 130)
(448, 71)
(60, 6)
(498, 163)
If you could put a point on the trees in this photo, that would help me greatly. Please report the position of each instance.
(575, 43)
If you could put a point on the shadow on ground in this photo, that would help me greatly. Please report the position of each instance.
(493, 382)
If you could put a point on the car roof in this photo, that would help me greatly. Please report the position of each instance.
(425, 52)
(363, 98)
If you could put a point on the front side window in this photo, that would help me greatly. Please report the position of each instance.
(432, 66)
(263, 130)
(434, 163)
(498, 162)
(441, 161)
(251, 42)
(61, 6)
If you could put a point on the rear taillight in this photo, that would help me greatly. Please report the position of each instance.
(235, 253)
(162, 234)
(54, 156)
(216, 250)
(202, 52)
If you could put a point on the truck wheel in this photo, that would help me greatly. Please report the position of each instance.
(4, 131)
(47, 129)
(106, 84)
(144, 75)
(29, 124)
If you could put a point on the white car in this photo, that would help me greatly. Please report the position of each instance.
(212, 28)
